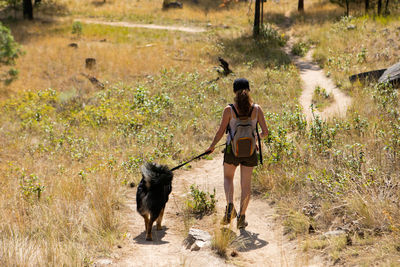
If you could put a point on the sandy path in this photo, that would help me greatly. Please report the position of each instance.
(146, 26)
(263, 242)
(313, 76)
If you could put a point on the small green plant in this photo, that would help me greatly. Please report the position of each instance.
(77, 28)
(269, 35)
(300, 49)
(321, 98)
(362, 56)
(201, 203)
(31, 187)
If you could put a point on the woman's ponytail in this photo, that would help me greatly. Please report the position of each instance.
(243, 101)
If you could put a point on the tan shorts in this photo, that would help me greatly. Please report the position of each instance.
(230, 158)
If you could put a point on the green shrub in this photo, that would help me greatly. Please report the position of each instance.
(77, 28)
(300, 48)
(269, 35)
(201, 203)
(9, 52)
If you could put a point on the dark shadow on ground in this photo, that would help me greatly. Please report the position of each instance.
(45, 8)
(157, 237)
(99, 3)
(314, 14)
(207, 5)
(258, 53)
(279, 19)
(24, 30)
(247, 241)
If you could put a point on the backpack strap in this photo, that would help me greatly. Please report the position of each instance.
(234, 110)
(228, 128)
(259, 144)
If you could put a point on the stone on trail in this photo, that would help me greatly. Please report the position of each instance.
(197, 239)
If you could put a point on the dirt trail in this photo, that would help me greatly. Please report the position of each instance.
(313, 76)
(262, 244)
(147, 26)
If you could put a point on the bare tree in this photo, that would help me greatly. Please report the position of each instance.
(300, 6)
(387, 7)
(27, 9)
(256, 28)
(379, 7)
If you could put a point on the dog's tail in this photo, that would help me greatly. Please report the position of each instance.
(155, 174)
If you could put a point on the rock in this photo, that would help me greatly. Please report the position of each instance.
(197, 239)
(73, 45)
(351, 27)
(333, 233)
(392, 75)
(209, 25)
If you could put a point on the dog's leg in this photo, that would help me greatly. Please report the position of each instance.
(146, 221)
(148, 228)
(159, 219)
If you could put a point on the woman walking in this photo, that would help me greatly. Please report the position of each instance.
(243, 108)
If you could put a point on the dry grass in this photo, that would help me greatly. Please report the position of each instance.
(150, 12)
(127, 55)
(222, 240)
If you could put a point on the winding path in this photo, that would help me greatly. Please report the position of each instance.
(313, 76)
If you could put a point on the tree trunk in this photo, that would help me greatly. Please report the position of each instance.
(347, 8)
(379, 7)
(262, 12)
(27, 9)
(256, 28)
(387, 7)
(300, 6)
(366, 5)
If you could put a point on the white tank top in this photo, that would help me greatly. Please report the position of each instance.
(232, 123)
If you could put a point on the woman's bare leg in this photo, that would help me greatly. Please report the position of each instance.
(245, 183)
(229, 172)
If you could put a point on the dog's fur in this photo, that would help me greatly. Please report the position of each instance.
(152, 194)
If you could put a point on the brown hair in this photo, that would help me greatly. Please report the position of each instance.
(243, 101)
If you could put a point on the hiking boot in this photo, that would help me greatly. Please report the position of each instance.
(241, 222)
(230, 212)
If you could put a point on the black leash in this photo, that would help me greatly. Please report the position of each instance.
(197, 157)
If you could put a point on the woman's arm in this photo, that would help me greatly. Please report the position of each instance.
(226, 116)
(263, 124)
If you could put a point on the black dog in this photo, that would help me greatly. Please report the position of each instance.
(152, 194)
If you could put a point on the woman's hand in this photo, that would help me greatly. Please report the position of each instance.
(210, 150)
